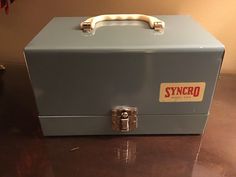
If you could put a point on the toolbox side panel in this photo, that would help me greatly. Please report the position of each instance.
(77, 83)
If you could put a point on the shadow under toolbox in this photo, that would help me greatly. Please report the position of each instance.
(103, 77)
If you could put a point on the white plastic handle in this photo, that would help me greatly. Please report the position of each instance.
(153, 22)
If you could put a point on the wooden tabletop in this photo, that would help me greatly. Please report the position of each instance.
(24, 152)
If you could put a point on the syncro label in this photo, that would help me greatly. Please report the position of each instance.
(182, 92)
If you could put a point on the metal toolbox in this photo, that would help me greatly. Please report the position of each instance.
(123, 74)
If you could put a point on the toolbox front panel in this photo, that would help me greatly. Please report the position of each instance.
(101, 125)
(78, 83)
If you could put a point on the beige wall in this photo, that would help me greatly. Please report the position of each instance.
(27, 17)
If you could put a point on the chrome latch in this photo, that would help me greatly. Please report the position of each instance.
(124, 118)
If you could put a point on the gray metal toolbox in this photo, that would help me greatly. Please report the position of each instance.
(118, 75)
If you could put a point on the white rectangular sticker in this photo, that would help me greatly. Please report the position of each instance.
(182, 92)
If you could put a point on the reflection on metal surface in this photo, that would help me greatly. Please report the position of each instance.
(126, 152)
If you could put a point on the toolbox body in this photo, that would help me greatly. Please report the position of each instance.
(79, 78)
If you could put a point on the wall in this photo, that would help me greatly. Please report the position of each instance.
(27, 17)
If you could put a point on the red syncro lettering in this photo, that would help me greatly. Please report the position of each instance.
(190, 91)
(196, 91)
(173, 90)
(179, 91)
(185, 90)
(167, 92)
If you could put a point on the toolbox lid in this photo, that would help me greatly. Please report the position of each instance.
(180, 33)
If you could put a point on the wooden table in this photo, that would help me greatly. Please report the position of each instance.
(24, 152)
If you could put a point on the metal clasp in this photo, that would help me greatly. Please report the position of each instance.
(124, 118)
